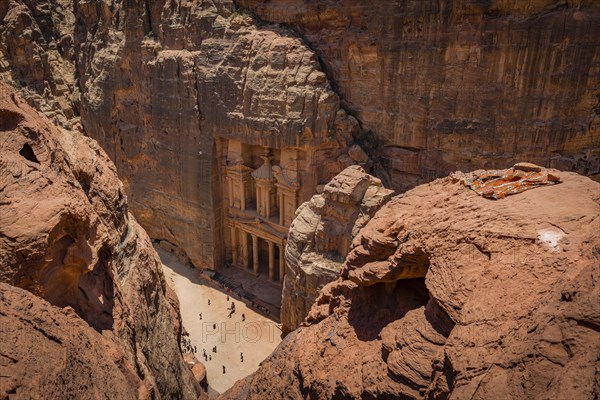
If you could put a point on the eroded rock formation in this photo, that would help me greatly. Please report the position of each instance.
(171, 90)
(97, 318)
(37, 56)
(320, 237)
(447, 294)
(460, 84)
(167, 86)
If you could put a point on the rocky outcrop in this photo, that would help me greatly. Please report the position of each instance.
(43, 357)
(447, 294)
(460, 84)
(98, 307)
(320, 236)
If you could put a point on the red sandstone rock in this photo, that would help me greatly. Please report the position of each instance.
(507, 306)
(66, 236)
(460, 84)
(321, 235)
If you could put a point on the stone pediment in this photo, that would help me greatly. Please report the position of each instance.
(264, 172)
(239, 168)
(283, 180)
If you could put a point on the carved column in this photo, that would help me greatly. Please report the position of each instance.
(245, 256)
(271, 261)
(281, 262)
(281, 209)
(255, 253)
(230, 189)
(234, 245)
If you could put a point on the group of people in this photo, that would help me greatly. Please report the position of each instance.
(231, 312)
(208, 357)
(187, 344)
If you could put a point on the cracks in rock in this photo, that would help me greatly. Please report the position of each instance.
(589, 324)
(148, 18)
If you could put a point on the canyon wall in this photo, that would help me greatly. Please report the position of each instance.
(320, 237)
(447, 294)
(460, 84)
(36, 56)
(96, 317)
(166, 85)
(425, 87)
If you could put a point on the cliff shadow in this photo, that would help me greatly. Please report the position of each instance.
(374, 307)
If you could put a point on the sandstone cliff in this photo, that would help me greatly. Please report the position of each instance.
(37, 57)
(446, 294)
(461, 84)
(98, 318)
(164, 85)
(320, 237)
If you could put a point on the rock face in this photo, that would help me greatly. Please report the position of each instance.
(36, 55)
(321, 235)
(164, 88)
(460, 84)
(446, 294)
(97, 303)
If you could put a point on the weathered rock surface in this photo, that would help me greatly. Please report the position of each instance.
(163, 86)
(36, 55)
(51, 353)
(107, 317)
(450, 85)
(320, 237)
(461, 84)
(508, 307)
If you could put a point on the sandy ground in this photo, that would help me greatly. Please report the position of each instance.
(256, 338)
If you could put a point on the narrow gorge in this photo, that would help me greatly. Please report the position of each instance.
(256, 199)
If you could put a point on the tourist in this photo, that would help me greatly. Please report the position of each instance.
(200, 315)
(215, 326)
(209, 302)
(242, 357)
(243, 317)
(223, 369)
(227, 297)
